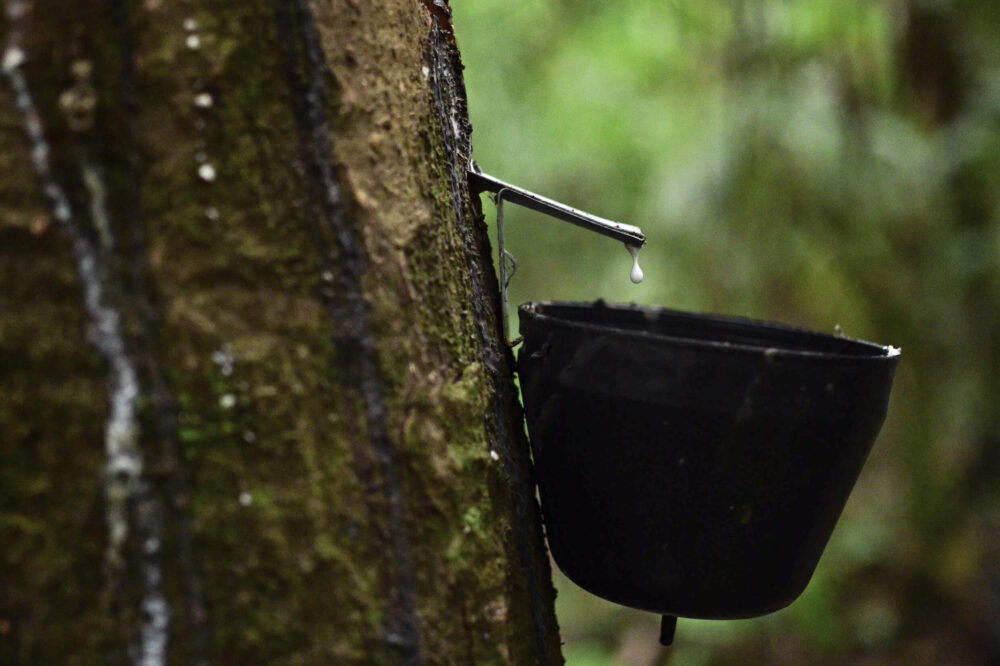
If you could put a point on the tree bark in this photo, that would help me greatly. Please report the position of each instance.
(255, 404)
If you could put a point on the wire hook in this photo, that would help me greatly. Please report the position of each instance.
(505, 276)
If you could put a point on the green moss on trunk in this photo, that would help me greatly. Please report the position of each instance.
(276, 518)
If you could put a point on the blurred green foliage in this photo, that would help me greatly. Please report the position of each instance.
(817, 163)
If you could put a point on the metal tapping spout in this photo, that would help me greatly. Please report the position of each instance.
(631, 236)
(625, 233)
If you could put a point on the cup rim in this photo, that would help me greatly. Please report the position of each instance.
(554, 313)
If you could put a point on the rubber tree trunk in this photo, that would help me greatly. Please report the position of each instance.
(255, 406)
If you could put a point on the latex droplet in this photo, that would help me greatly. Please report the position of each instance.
(636, 275)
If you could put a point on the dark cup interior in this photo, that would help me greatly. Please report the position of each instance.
(694, 465)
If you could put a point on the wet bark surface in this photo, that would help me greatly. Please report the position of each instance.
(255, 406)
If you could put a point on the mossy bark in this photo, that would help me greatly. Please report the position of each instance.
(255, 406)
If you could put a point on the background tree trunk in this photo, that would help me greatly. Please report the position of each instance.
(254, 401)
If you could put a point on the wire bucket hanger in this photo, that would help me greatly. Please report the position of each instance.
(479, 182)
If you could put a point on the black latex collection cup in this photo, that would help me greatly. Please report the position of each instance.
(694, 465)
